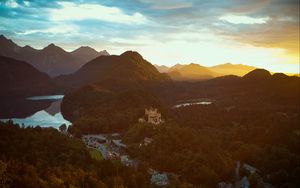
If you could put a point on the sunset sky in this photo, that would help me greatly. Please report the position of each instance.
(262, 33)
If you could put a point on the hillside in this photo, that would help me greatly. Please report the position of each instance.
(18, 79)
(127, 70)
(94, 109)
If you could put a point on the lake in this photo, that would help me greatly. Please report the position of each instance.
(34, 111)
(191, 102)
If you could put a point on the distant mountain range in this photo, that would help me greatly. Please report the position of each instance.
(197, 72)
(52, 59)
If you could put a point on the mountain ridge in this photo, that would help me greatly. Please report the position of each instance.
(52, 59)
(194, 72)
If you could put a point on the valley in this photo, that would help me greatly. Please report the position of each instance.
(205, 128)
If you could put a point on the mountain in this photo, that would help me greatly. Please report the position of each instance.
(52, 60)
(124, 84)
(55, 61)
(128, 69)
(162, 68)
(175, 67)
(232, 69)
(197, 72)
(20, 79)
(258, 74)
(257, 88)
(86, 53)
(191, 72)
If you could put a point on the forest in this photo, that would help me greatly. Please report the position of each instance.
(203, 143)
(253, 119)
(43, 157)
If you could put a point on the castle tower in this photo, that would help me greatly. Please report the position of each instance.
(153, 116)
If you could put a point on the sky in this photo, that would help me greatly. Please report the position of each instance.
(261, 33)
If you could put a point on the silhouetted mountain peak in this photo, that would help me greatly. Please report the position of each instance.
(279, 76)
(53, 48)
(258, 74)
(87, 48)
(104, 52)
(132, 54)
(194, 65)
(2, 37)
(162, 68)
(126, 70)
(27, 47)
(175, 67)
(5, 40)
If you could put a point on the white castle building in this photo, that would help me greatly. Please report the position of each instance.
(152, 116)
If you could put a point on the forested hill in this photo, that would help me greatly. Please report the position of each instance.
(19, 78)
(129, 69)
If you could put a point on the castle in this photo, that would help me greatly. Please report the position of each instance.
(153, 116)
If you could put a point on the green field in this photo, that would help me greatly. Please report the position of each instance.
(95, 154)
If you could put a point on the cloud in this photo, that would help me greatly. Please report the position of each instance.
(12, 4)
(168, 4)
(243, 19)
(280, 33)
(72, 11)
(58, 29)
(26, 3)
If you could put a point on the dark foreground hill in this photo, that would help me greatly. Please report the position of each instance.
(19, 79)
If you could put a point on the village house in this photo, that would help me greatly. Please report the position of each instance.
(159, 179)
(118, 143)
(249, 168)
(147, 141)
(125, 160)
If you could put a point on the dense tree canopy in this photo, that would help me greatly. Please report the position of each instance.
(42, 157)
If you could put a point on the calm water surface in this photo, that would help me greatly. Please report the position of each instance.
(50, 116)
